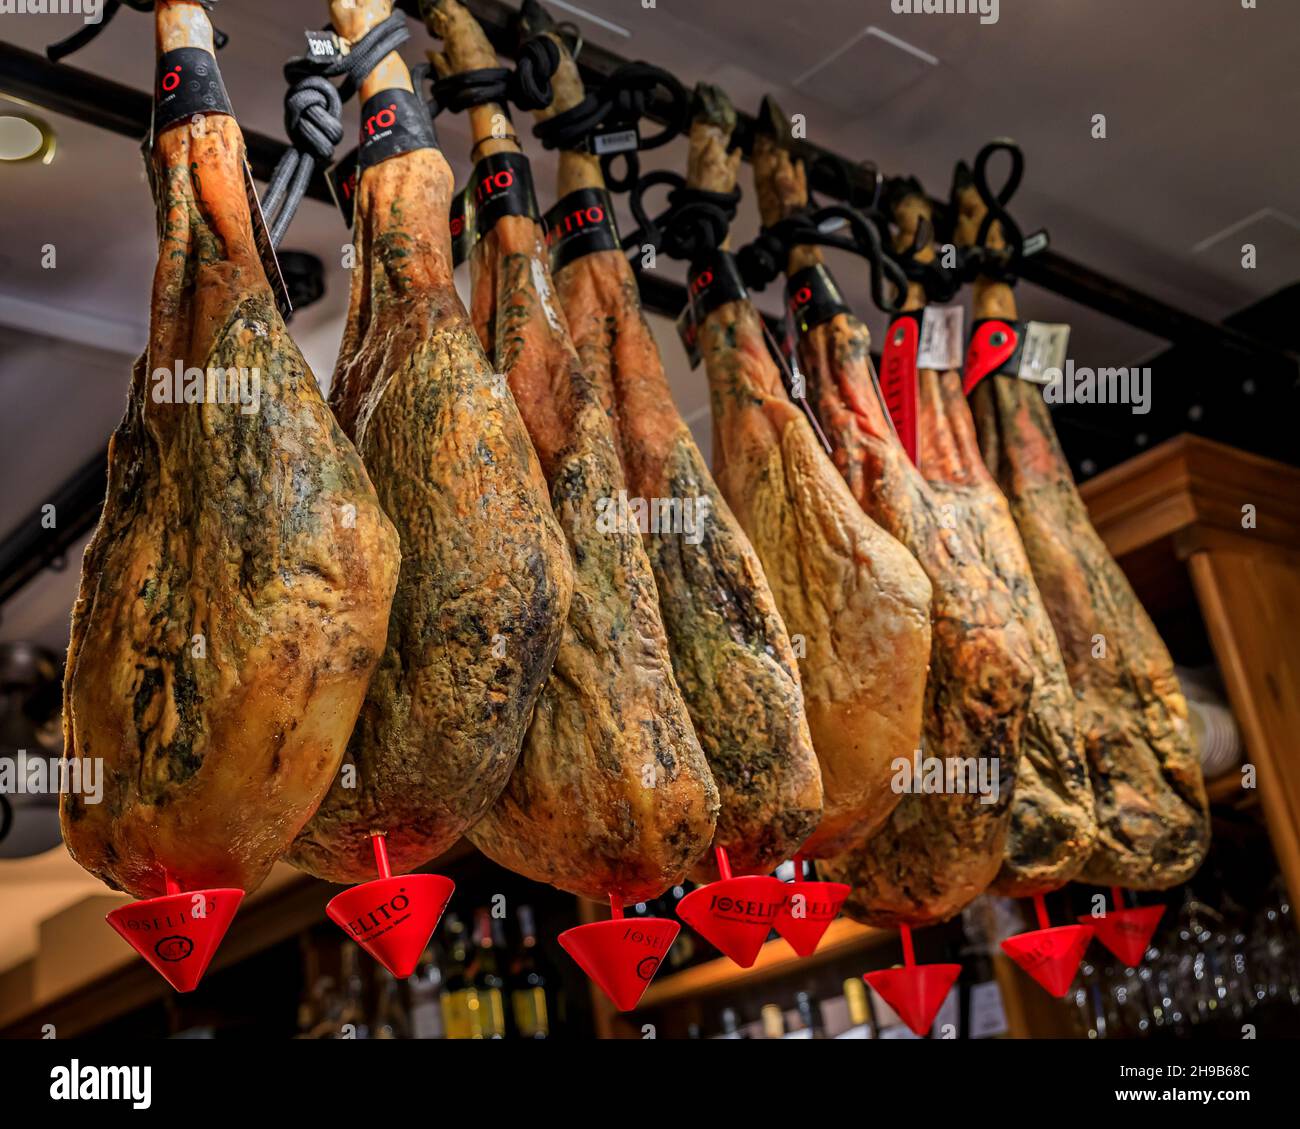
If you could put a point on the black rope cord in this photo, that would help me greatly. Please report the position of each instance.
(765, 258)
(79, 39)
(527, 86)
(695, 222)
(998, 264)
(620, 102)
(313, 116)
(941, 283)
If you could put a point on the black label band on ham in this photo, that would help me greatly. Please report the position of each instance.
(581, 223)
(189, 83)
(341, 177)
(714, 281)
(394, 121)
(461, 221)
(502, 185)
(813, 297)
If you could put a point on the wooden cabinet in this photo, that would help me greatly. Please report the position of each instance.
(1208, 531)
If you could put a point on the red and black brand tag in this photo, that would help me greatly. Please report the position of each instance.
(898, 377)
(341, 177)
(502, 185)
(994, 348)
(394, 121)
(580, 224)
(813, 298)
(461, 222)
(189, 83)
(714, 281)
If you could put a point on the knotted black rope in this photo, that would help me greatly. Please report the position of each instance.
(619, 103)
(941, 283)
(999, 264)
(763, 260)
(695, 222)
(75, 42)
(313, 116)
(527, 85)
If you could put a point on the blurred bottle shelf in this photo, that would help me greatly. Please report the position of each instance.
(774, 959)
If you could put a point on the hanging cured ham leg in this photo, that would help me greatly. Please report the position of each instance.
(731, 654)
(1052, 823)
(854, 594)
(1152, 812)
(612, 797)
(235, 594)
(486, 580)
(943, 844)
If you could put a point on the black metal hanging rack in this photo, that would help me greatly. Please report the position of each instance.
(80, 94)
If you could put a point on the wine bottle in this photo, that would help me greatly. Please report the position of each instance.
(425, 989)
(354, 1022)
(391, 1019)
(456, 989)
(487, 1007)
(528, 983)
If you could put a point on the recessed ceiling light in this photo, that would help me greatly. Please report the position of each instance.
(25, 138)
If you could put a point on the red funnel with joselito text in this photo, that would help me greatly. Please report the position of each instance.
(734, 915)
(1126, 932)
(393, 917)
(178, 933)
(915, 991)
(1050, 956)
(808, 910)
(622, 954)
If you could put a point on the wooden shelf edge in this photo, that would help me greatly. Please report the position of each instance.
(774, 959)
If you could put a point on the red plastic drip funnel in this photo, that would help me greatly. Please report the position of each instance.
(735, 915)
(622, 954)
(1126, 932)
(178, 933)
(1050, 956)
(916, 992)
(393, 918)
(807, 913)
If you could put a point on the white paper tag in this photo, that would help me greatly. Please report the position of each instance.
(617, 141)
(1044, 348)
(987, 1019)
(942, 340)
